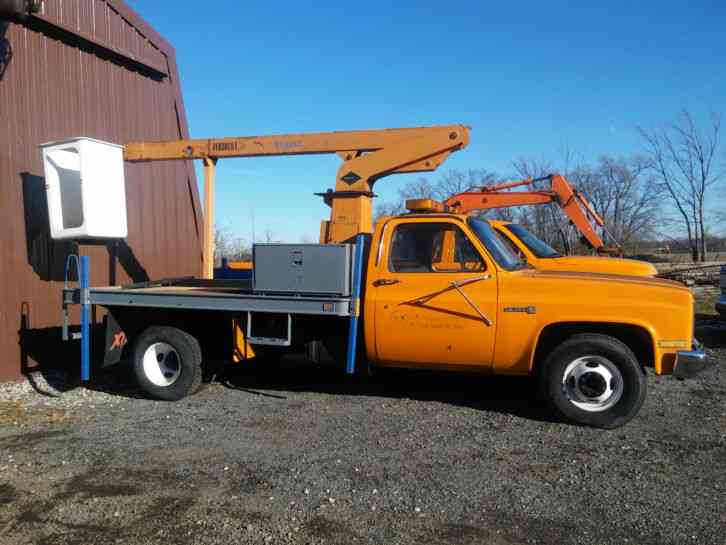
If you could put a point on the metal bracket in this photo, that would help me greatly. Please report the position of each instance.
(269, 341)
(71, 296)
(457, 286)
(85, 296)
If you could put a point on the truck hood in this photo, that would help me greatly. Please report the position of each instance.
(610, 278)
(605, 265)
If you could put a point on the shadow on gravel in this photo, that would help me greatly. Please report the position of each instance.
(117, 380)
(274, 380)
(510, 395)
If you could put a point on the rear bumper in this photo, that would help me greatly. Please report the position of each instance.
(721, 304)
(690, 363)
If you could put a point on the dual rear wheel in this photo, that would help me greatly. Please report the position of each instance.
(167, 363)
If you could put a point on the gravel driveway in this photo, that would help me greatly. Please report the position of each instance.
(308, 455)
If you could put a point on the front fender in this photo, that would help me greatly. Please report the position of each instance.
(639, 337)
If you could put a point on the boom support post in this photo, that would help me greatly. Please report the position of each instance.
(210, 170)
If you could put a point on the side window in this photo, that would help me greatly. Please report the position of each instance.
(432, 247)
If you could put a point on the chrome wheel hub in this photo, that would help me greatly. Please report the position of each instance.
(161, 364)
(593, 383)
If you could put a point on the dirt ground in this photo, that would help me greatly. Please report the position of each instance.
(308, 455)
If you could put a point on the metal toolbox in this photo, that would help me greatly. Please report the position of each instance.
(303, 268)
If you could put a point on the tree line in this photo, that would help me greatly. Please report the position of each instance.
(662, 198)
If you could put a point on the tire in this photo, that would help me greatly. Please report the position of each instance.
(594, 380)
(167, 363)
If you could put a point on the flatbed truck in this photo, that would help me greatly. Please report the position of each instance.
(437, 291)
(431, 288)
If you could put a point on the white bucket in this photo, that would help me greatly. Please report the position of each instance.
(84, 182)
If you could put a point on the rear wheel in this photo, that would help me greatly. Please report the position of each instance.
(167, 363)
(594, 380)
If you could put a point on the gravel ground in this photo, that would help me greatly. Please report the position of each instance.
(308, 455)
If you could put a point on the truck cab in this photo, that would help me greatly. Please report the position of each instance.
(540, 254)
(445, 291)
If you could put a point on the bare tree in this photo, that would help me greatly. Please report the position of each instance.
(632, 205)
(547, 221)
(420, 188)
(239, 250)
(388, 209)
(448, 184)
(458, 181)
(683, 158)
(221, 244)
(623, 194)
(228, 247)
(527, 167)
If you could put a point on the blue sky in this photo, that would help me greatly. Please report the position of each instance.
(530, 78)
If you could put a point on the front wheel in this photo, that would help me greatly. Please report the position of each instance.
(167, 363)
(594, 380)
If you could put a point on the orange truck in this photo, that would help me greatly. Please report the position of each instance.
(426, 289)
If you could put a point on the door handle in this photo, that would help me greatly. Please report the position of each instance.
(385, 282)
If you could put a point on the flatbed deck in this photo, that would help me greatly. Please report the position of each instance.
(224, 295)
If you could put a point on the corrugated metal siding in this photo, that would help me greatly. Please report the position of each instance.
(55, 87)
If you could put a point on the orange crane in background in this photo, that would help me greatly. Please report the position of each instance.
(367, 157)
(572, 202)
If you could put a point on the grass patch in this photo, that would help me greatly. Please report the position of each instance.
(13, 413)
(706, 300)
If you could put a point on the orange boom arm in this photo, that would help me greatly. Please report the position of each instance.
(367, 157)
(572, 202)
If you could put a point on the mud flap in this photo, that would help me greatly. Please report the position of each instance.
(241, 349)
(115, 342)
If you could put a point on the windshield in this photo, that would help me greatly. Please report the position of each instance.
(537, 246)
(499, 250)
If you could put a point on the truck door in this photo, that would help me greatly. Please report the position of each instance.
(435, 297)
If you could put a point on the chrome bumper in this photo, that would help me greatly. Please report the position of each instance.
(689, 363)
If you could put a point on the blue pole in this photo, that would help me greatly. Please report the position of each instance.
(85, 321)
(353, 328)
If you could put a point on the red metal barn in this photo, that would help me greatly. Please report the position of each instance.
(84, 68)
